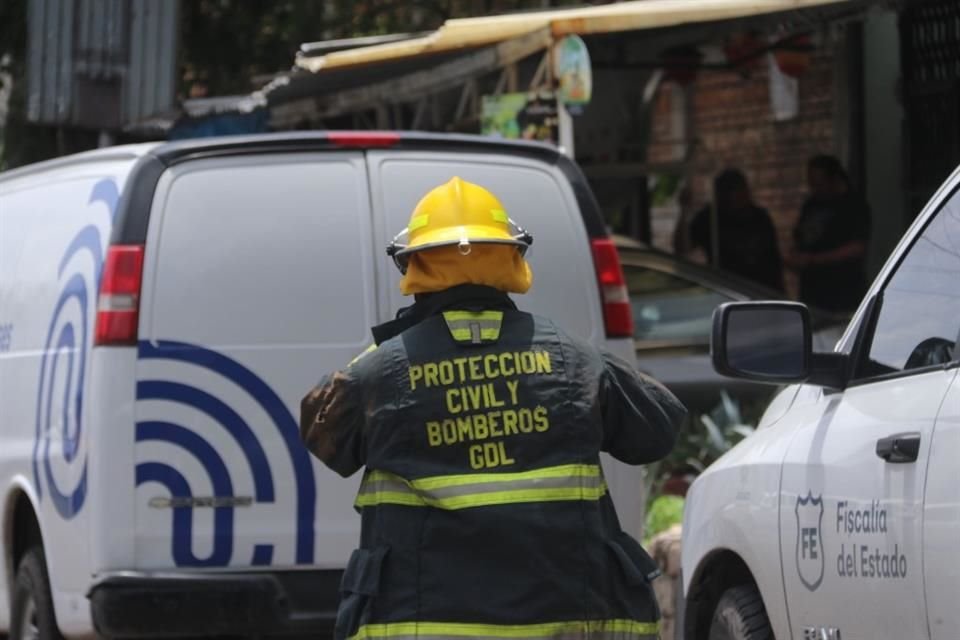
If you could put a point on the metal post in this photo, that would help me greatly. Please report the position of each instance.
(418, 116)
(383, 117)
(511, 75)
(566, 131)
(469, 88)
(538, 77)
(714, 234)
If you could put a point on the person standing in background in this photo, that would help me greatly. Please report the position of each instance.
(741, 239)
(830, 239)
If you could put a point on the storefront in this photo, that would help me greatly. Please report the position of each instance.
(652, 97)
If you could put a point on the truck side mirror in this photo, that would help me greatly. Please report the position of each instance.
(771, 342)
(762, 341)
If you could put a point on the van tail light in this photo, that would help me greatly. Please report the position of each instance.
(118, 307)
(363, 139)
(617, 315)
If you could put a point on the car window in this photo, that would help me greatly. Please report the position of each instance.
(919, 317)
(669, 307)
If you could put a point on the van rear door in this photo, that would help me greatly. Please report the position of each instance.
(534, 194)
(258, 279)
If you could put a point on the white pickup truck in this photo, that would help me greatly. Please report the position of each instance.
(839, 517)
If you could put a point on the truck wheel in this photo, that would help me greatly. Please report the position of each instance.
(740, 615)
(32, 615)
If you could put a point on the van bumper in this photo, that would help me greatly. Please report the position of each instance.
(150, 605)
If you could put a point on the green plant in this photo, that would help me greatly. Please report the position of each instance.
(665, 188)
(703, 439)
(664, 512)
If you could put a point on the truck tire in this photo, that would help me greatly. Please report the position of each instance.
(32, 616)
(740, 615)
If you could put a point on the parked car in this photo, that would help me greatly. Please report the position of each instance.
(673, 300)
(838, 518)
(163, 309)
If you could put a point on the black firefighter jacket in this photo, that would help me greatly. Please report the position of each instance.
(484, 508)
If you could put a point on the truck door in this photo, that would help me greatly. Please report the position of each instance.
(258, 280)
(851, 502)
(535, 195)
(941, 520)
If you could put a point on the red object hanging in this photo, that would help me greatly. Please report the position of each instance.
(794, 55)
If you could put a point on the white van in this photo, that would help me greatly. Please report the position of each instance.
(840, 517)
(163, 309)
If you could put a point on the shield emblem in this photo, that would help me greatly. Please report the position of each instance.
(810, 552)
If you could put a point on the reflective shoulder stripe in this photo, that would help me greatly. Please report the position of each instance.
(571, 630)
(473, 315)
(369, 349)
(475, 327)
(418, 222)
(550, 484)
(499, 215)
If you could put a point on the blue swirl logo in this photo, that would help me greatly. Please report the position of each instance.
(190, 439)
(63, 365)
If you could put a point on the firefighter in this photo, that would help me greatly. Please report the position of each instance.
(483, 504)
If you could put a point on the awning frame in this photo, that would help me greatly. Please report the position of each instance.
(416, 87)
(633, 15)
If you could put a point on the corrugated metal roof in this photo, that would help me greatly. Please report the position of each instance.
(100, 63)
(151, 77)
(624, 16)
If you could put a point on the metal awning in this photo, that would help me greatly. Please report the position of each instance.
(467, 33)
(336, 78)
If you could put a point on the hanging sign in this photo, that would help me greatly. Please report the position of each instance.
(573, 73)
(784, 92)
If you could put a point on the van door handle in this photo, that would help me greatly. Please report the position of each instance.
(900, 447)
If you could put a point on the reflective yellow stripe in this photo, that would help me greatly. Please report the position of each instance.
(417, 222)
(438, 482)
(552, 484)
(519, 495)
(465, 335)
(390, 497)
(474, 326)
(599, 629)
(473, 315)
(369, 349)
(480, 500)
(499, 215)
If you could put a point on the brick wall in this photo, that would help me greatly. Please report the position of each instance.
(732, 126)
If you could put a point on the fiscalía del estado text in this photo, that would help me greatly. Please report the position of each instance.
(863, 560)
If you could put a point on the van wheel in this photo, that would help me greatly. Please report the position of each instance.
(32, 616)
(740, 615)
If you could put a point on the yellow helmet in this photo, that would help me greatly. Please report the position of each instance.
(457, 213)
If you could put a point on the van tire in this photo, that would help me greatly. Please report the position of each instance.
(740, 615)
(32, 614)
